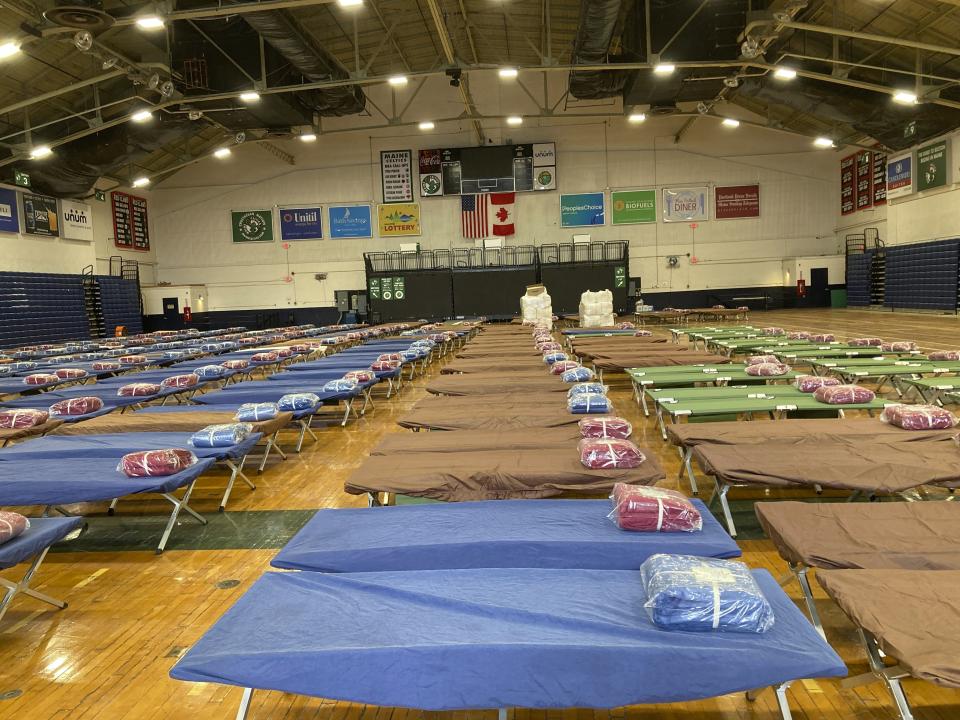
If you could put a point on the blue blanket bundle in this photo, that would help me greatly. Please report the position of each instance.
(409, 355)
(580, 374)
(5, 370)
(587, 387)
(589, 403)
(210, 371)
(254, 412)
(229, 345)
(698, 594)
(175, 354)
(341, 385)
(551, 358)
(219, 436)
(22, 366)
(298, 401)
(211, 347)
(424, 343)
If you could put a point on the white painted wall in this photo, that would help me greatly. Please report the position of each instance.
(799, 191)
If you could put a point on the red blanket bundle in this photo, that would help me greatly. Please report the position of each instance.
(235, 364)
(284, 352)
(384, 365)
(822, 338)
(919, 417)
(389, 357)
(771, 331)
(246, 341)
(605, 427)
(642, 333)
(626, 326)
(180, 381)
(76, 406)
(361, 376)
(599, 454)
(12, 525)
(900, 346)
(40, 379)
(767, 369)
(138, 390)
(798, 336)
(132, 359)
(757, 359)
(561, 366)
(652, 509)
(156, 463)
(265, 357)
(300, 348)
(19, 419)
(812, 383)
(951, 355)
(865, 342)
(844, 395)
(105, 365)
(549, 347)
(70, 373)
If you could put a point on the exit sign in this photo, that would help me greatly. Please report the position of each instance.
(21, 178)
(100, 195)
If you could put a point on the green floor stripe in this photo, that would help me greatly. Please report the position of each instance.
(254, 530)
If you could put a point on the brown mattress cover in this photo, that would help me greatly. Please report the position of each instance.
(907, 535)
(471, 353)
(10, 434)
(877, 467)
(494, 384)
(165, 422)
(827, 429)
(471, 440)
(492, 475)
(498, 363)
(914, 614)
(631, 360)
(442, 412)
(599, 342)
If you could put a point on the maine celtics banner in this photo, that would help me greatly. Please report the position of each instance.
(629, 207)
(252, 225)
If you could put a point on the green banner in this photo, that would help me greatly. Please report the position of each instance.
(252, 225)
(374, 289)
(932, 165)
(633, 206)
(620, 277)
(386, 288)
(399, 288)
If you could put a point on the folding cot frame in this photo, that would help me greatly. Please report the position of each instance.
(884, 373)
(677, 376)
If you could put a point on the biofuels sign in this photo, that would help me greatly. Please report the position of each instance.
(633, 206)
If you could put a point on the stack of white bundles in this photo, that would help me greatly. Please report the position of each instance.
(537, 307)
(596, 309)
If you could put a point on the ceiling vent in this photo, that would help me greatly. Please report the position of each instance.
(663, 109)
(81, 15)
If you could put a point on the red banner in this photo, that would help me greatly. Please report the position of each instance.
(848, 185)
(737, 201)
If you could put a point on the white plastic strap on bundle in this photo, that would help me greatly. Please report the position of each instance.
(716, 604)
(660, 518)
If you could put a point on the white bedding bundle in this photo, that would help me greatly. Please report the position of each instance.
(596, 309)
(536, 307)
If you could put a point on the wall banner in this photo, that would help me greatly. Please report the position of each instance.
(9, 217)
(301, 223)
(76, 219)
(40, 215)
(251, 225)
(350, 221)
(736, 201)
(932, 169)
(398, 220)
(431, 176)
(685, 204)
(582, 210)
(396, 175)
(899, 176)
(629, 207)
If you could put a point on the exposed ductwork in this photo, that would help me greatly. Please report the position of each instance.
(598, 21)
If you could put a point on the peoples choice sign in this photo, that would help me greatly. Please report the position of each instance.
(737, 201)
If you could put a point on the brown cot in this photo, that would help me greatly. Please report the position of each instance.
(543, 410)
(11, 435)
(498, 363)
(619, 363)
(494, 384)
(469, 440)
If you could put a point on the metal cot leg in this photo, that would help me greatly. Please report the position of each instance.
(244, 708)
(235, 471)
(890, 675)
(14, 589)
(800, 572)
(721, 492)
(178, 505)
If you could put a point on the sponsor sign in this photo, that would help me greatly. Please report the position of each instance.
(398, 220)
(431, 177)
(628, 207)
(301, 223)
(9, 217)
(40, 215)
(582, 209)
(251, 225)
(932, 165)
(900, 176)
(349, 221)
(685, 204)
(76, 219)
(737, 201)
(396, 175)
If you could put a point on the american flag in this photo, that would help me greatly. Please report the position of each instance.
(474, 217)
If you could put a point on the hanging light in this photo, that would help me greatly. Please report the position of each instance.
(664, 68)
(508, 73)
(785, 73)
(905, 97)
(251, 96)
(142, 116)
(150, 22)
(40, 152)
(514, 120)
(141, 182)
(823, 142)
(426, 125)
(221, 153)
(9, 48)
(308, 137)
(730, 123)
(397, 80)
(636, 118)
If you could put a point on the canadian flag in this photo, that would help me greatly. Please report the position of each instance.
(501, 206)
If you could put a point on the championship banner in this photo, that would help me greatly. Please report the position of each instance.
(301, 223)
(251, 225)
(879, 178)
(932, 169)
(848, 184)
(631, 207)
(899, 176)
(737, 201)
(76, 218)
(396, 176)
(40, 215)
(582, 210)
(9, 218)
(399, 219)
(685, 204)
(864, 175)
(350, 221)
(431, 176)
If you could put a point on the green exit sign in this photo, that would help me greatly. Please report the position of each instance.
(100, 195)
(21, 178)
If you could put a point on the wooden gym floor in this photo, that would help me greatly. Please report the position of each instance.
(132, 613)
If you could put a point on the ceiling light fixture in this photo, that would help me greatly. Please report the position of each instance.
(785, 73)
(141, 182)
(730, 123)
(514, 120)
(508, 73)
(636, 118)
(11, 47)
(349, 3)
(426, 125)
(905, 97)
(142, 116)
(664, 68)
(221, 153)
(250, 97)
(308, 137)
(150, 22)
(40, 152)
(823, 142)
(397, 80)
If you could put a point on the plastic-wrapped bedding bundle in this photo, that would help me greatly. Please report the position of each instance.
(175, 354)
(156, 463)
(822, 338)
(697, 594)
(549, 347)
(865, 342)
(23, 366)
(919, 417)
(62, 360)
(265, 357)
(551, 357)
(587, 403)
(76, 406)
(106, 366)
(5, 371)
(409, 355)
(642, 333)
(384, 365)
(900, 346)
(335, 340)
(139, 390)
(605, 428)
(211, 347)
(812, 383)
(844, 395)
(235, 364)
(180, 381)
(246, 341)
(653, 509)
(133, 359)
(210, 371)
(229, 345)
(12, 525)
(341, 385)
(19, 419)
(757, 359)
(359, 376)
(562, 366)
(255, 412)
(598, 454)
(284, 352)
(951, 355)
(577, 374)
(625, 326)
(218, 436)
(389, 357)
(767, 369)
(798, 336)
(298, 401)
(40, 379)
(587, 387)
